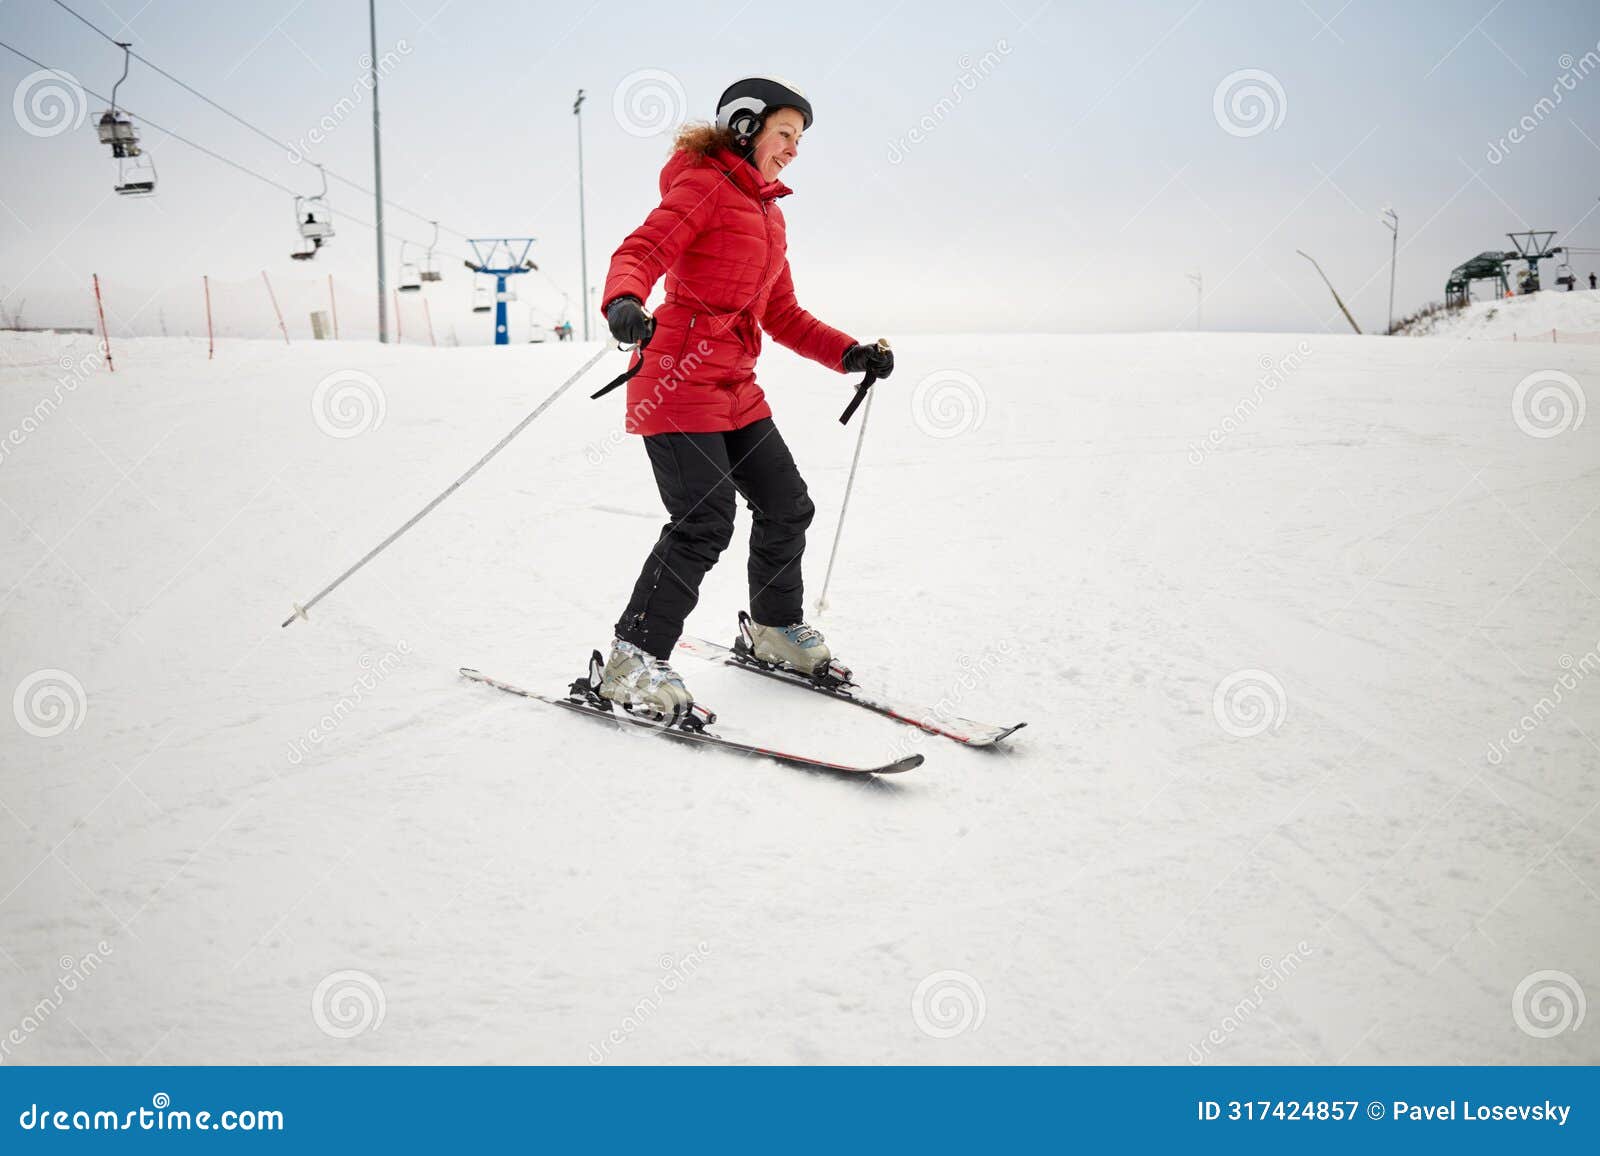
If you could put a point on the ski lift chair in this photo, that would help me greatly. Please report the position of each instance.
(136, 172)
(314, 220)
(430, 271)
(410, 277)
(482, 302)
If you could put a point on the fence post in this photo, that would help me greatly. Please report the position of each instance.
(105, 338)
(427, 313)
(399, 333)
(211, 339)
(275, 308)
(334, 305)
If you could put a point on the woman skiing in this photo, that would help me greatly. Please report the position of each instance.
(718, 236)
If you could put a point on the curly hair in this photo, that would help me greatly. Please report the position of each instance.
(701, 137)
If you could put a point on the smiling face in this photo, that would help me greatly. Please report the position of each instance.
(778, 143)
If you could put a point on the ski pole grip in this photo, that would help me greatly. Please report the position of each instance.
(622, 378)
(861, 389)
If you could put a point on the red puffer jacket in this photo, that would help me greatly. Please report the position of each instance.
(719, 237)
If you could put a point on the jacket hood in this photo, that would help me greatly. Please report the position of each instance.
(739, 170)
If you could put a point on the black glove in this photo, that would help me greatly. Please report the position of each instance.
(629, 323)
(873, 359)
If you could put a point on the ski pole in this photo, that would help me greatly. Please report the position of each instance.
(300, 610)
(862, 390)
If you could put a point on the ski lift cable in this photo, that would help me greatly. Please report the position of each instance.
(245, 168)
(239, 119)
(197, 146)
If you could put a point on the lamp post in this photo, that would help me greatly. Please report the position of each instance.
(583, 244)
(1391, 221)
(377, 174)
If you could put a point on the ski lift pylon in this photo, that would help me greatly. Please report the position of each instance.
(136, 172)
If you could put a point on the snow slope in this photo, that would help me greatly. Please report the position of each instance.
(1575, 316)
(318, 844)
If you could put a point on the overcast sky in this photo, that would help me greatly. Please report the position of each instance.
(1006, 166)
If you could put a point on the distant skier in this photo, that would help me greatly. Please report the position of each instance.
(1591, 280)
(719, 237)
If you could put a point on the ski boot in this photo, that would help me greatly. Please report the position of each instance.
(799, 648)
(642, 684)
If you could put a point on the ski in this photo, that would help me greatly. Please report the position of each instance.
(962, 730)
(587, 704)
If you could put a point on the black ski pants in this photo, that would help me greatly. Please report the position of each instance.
(700, 475)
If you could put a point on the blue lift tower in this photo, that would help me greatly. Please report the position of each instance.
(511, 262)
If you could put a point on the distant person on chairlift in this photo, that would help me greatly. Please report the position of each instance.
(719, 238)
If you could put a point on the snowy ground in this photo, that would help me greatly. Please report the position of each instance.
(1574, 316)
(1369, 547)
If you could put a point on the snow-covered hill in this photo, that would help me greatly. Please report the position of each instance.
(1280, 612)
(1572, 316)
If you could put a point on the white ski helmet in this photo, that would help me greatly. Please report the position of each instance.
(746, 103)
